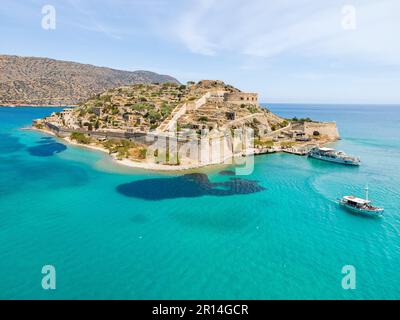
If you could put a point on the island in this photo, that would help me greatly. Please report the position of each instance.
(170, 126)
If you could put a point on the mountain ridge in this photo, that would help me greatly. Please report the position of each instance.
(46, 81)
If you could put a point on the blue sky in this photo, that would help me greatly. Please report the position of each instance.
(286, 50)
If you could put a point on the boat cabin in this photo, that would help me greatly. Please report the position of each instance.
(356, 202)
(326, 150)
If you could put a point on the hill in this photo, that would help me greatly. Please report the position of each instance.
(42, 81)
(147, 107)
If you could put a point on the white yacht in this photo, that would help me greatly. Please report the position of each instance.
(331, 155)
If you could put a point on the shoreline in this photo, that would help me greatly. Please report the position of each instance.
(161, 167)
(130, 163)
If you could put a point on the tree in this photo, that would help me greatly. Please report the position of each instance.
(80, 138)
(203, 119)
(153, 116)
(142, 153)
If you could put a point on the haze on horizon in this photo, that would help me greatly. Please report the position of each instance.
(306, 51)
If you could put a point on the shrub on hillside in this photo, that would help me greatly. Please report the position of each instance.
(80, 138)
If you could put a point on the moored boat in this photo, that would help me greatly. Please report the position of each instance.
(331, 155)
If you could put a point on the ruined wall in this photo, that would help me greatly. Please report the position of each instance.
(240, 97)
(138, 137)
(324, 128)
(211, 150)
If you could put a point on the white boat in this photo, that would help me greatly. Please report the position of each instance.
(361, 206)
(331, 155)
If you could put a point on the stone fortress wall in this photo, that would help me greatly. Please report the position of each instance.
(213, 150)
(241, 97)
(224, 97)
(324, 128)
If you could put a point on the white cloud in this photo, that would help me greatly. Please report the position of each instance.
(189, 28)
(302, 28)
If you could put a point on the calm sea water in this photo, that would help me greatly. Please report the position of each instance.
(118, 233)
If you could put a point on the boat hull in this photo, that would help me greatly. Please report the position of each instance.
(370, 213)
(334, 160)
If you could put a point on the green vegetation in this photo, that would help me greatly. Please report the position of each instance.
(287, 144)
(264, 144)
(80, 138)
(120, 147)
(114, 110)
(111, 110)
(105, 99)
(295, 119)
(203, 119)
(108, 144)
(166, 109)
(253, 109)
(153, 116)
(90, 110)
(277, 126)
(140, 106)
(186, 126)
(169, 85)
(284, 123)
(142, 153)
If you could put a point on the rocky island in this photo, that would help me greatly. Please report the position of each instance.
(170, 126)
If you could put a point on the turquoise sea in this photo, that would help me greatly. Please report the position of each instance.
(118, 233)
